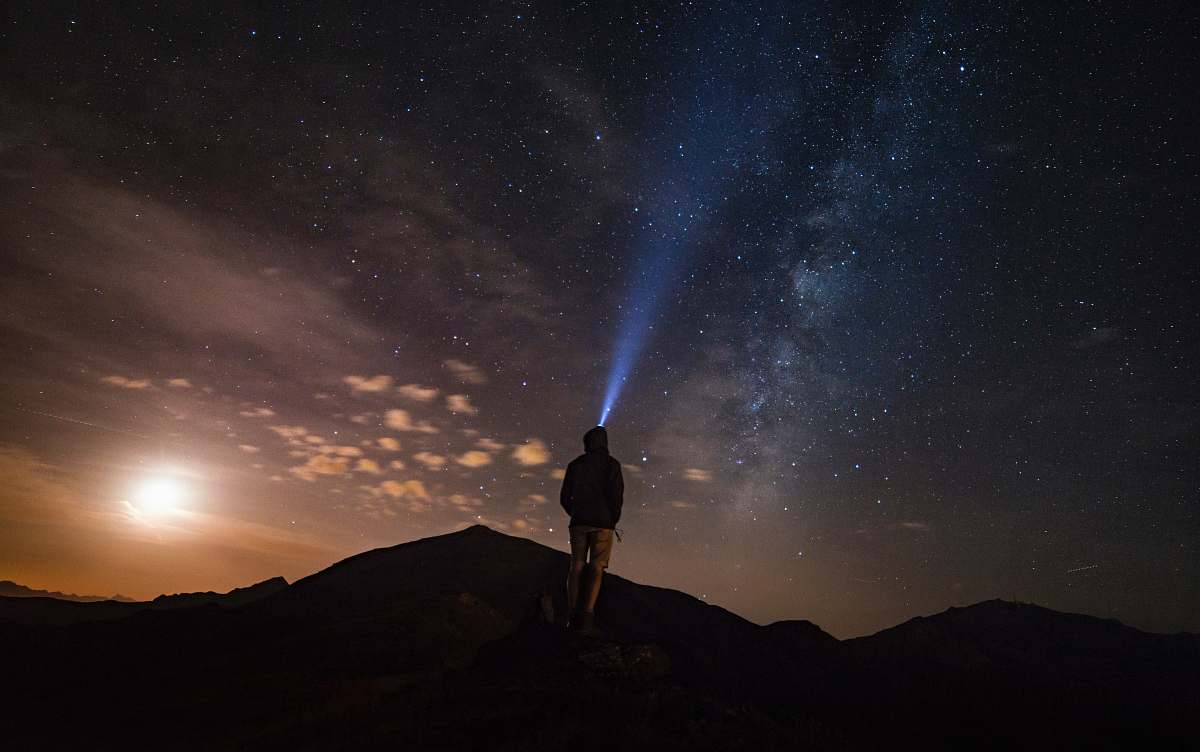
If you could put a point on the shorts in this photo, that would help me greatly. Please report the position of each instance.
(597, 541)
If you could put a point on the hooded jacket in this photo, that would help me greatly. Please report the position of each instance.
(593, 489)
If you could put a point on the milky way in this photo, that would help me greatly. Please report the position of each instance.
(890, 309)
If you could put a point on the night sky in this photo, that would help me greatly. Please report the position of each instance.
(901, 299)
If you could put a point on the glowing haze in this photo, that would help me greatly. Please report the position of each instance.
(889, 309)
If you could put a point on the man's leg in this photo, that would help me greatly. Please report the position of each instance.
(573, 577)
(600, 550)
(596, 570)
(575, 571)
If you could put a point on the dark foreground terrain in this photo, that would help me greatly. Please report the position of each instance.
(443, 644)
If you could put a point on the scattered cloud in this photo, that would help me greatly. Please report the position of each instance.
(697, 474)
(558, 473)
(388, 443)
(362, 419)
(402, 489)
(915, 525)
(417, 392)
(464, 502)
(365, 465)
(248, 448)
(396, 465)
(400, 420)
(340, 451)
(474, 458)
(380, 383)
(460, 403)
(429, 459)
(532, 452)
(258, 412)
(125, 383)
(321, 464)
(680, 504)
(290, 432)
(465, 372)
(490, 445)
(179, 383)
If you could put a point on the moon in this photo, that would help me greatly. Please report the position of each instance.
(159, 495)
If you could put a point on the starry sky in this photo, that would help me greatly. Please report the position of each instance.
(899, 299)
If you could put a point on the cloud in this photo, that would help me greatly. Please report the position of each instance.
(465, 372)
(464, 502)
(490, 445)
(697, 474)
(558, 473)
(402, 489)
(341, 451)
(429, 459)
(248, 448)
(365, 465)
(388, 443)
(400, 420)
(33, 491)
(380, 383)
(417, 392)
(125, 383)
(474, 458)
(361, 419)
(169, 268)
(258, 412)
(179, 383)
(321, 464)
(914, 525)
(532, 501)
(680, 504)
(396, 465)
(460, 403)
(532, 452)
(289, 432)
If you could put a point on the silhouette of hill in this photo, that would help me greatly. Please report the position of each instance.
(10, 589)
(235, 597)
(443, 643)
(52, 610)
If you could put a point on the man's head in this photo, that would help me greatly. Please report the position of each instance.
(595, 440)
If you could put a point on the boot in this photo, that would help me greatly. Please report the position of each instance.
(585, 622)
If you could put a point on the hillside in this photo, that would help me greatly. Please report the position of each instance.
(442, 643)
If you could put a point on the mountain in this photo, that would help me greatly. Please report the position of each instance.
(10, 589)
(235, 597)
(52, 610)
(444, 643)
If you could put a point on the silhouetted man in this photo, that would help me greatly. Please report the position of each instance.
(592, 493)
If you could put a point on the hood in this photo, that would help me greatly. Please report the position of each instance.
(596, 440)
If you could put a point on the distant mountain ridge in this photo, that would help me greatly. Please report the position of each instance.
(35, 608)
(10, 589)
(443, 643)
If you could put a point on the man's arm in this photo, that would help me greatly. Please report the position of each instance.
(564, 496)
(616, 493)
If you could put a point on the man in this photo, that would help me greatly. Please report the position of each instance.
(592, 493)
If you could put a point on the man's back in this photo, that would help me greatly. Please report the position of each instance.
(593, 489)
